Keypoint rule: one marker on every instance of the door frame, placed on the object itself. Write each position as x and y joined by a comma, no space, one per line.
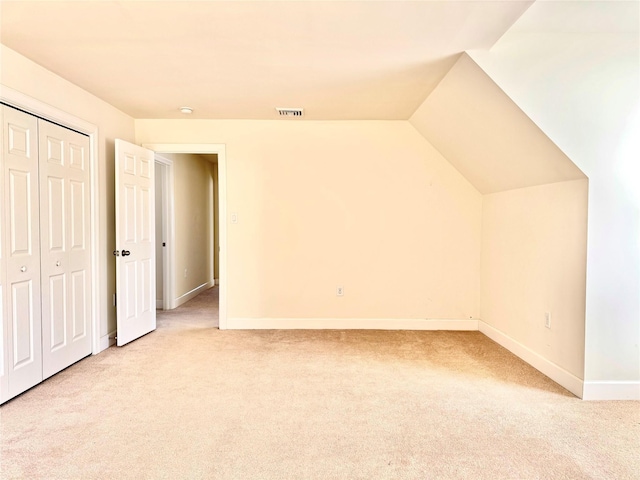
40,109
220,150
168,232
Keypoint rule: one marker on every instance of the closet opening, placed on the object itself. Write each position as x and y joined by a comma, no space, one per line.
48,223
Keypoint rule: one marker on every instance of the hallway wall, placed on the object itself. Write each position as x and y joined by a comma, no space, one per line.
194,227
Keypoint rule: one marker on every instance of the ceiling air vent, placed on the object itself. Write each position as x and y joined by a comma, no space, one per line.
290,112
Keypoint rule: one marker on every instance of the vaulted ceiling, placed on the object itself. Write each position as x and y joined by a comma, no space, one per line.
230,59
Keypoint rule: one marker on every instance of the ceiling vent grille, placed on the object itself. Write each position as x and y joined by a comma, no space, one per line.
290,112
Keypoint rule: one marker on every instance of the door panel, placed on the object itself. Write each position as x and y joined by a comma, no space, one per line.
58,317
24,351
77,155
79,296
146,212
135,240
129,212
66,256
78,220
55,220
22,215
21,252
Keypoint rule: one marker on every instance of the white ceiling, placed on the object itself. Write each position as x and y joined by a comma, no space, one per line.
239,59
580,16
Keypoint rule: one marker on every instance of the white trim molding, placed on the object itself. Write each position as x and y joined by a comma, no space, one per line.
107,340
625,390
168,232
192,293
351,324
537,361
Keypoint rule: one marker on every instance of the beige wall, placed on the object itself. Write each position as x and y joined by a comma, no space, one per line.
534,212
194,229
370,206
23,75
534,261
583,90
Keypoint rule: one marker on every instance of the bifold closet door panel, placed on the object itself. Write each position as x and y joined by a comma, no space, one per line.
21,251
65,246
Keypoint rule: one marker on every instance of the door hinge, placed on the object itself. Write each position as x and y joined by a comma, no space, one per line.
164,244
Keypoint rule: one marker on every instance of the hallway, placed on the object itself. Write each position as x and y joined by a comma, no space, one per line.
199,312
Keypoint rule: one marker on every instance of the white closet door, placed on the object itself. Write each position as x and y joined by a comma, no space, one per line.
21,251
65,246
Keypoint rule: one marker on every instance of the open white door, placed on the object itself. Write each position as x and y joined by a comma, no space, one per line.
135,242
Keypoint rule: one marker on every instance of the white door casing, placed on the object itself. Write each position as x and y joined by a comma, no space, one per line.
168,231
135,242
65,242
21,251
4,357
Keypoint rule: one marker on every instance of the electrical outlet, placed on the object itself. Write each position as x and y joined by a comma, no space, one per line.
547,319
234,218
340,291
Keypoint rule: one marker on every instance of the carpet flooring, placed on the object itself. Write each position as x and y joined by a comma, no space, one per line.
189,401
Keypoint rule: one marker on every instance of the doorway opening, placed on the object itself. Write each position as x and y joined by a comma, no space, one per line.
190,232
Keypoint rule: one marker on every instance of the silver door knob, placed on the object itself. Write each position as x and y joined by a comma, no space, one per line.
23,269
58,263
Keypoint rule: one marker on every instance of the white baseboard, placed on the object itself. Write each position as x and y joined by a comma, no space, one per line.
192,293
216,281
349,324
107,340
159,304
606,390
611,390
550,369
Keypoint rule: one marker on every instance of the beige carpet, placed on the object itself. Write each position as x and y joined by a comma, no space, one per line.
190,401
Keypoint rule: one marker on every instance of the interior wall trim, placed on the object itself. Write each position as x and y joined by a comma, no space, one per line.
351,324
621,390
537,361
548,368
192,293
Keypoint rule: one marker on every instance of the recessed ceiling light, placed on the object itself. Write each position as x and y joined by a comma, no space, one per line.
186,110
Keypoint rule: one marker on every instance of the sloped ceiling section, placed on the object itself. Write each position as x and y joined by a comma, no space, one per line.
486,136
